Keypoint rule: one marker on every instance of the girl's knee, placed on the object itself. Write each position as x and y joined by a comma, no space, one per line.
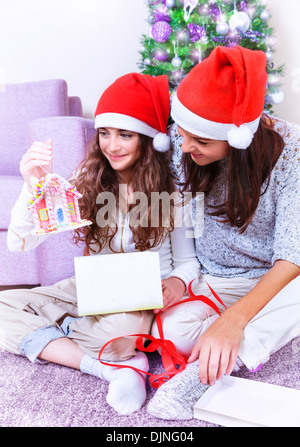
129,322
113,330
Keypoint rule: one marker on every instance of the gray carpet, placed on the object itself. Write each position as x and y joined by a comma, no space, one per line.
54,396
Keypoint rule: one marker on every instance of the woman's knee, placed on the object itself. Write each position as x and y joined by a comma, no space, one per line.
184,326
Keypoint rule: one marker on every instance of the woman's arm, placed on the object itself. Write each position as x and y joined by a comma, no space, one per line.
185,262
19,237
217,349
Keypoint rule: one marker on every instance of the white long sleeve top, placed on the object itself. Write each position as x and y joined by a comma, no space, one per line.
177,252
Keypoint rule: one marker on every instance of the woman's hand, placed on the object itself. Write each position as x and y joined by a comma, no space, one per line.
217,349
38,156
173,290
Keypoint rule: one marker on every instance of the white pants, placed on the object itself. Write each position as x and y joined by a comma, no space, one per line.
271,329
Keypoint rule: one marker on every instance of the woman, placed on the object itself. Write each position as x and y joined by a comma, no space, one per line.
129,149
248,166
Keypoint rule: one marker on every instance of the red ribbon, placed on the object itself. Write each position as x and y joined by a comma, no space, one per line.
172,361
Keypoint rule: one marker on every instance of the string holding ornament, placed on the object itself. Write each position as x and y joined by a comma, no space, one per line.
176,61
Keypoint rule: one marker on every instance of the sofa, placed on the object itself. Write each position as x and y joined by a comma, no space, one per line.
31,112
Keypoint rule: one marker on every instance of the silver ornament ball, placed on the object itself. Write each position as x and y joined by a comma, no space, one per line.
170,3
269,55
176,62
239,21
222,28
265,15
278,97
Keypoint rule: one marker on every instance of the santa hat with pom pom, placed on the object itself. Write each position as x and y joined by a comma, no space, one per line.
139,103
222,98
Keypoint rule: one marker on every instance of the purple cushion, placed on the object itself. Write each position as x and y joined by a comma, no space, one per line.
70,136
18,267
20,104
10,187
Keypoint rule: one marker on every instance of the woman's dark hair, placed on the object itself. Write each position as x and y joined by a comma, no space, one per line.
248,170
151,173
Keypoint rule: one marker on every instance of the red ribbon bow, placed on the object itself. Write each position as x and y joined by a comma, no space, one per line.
172,361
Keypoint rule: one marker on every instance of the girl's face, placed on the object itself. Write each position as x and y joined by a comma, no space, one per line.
121,148
203,151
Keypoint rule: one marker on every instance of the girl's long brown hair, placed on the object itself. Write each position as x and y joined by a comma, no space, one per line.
248,170
95,175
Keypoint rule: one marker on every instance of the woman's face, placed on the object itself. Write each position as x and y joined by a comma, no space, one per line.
121,148
203,151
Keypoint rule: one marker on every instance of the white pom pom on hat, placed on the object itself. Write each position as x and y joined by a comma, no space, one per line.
161,142
240,137
222,98
139,103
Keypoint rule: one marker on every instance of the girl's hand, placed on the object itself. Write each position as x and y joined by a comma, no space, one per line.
173,290
217,349
39,154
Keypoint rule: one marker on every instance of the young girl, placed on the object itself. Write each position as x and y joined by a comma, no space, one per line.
129,149
248,166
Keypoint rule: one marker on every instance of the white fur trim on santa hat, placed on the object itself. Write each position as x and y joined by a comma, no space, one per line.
201,127
125,122
161,141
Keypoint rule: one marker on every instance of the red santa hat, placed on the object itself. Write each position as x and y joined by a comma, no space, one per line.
140,103
222,98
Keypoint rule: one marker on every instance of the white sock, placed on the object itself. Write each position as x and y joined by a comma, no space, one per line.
127,388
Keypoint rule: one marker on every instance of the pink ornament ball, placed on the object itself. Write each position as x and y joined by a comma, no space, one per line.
161,31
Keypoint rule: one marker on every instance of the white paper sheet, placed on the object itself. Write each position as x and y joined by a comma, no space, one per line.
118,283
237,402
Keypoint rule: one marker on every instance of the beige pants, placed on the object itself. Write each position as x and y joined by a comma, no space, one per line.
24,311
272,328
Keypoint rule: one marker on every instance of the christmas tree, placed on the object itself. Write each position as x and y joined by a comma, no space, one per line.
184,32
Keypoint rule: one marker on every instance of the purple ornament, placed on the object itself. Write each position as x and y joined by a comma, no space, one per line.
161,16
161,55
196,32
161,31
214,11
176,76
243,6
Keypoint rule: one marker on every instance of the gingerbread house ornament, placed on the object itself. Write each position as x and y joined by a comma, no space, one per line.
54,206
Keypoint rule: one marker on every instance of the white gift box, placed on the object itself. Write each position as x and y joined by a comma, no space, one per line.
237,402
121,282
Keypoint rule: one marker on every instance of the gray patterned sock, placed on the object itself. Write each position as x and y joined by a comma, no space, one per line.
175,399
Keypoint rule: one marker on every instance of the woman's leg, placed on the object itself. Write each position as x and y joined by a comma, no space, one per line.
272,328
183,324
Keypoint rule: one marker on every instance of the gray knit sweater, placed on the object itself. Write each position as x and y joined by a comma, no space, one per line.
274,232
